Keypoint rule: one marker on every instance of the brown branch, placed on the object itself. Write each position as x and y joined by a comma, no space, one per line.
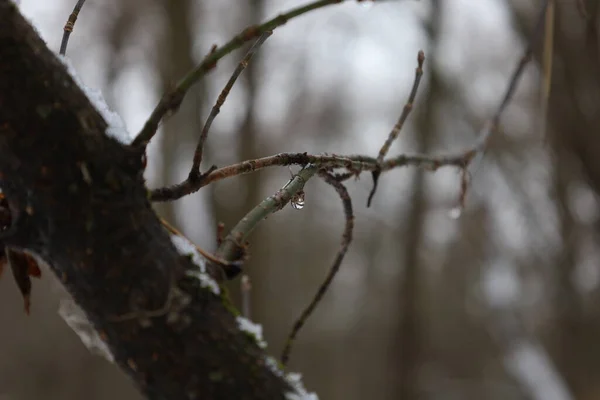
194,174
70,24
398,127
355,164
346,239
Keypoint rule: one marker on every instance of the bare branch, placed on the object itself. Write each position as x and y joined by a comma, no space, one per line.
346,239
353,163
398,127
69,26
171,100
195,171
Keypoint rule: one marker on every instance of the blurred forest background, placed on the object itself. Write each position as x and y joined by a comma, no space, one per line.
501,303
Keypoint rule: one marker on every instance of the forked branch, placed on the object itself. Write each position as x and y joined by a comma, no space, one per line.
171,100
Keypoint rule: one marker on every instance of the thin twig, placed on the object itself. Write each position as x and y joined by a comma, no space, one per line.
355,164
69,27
406,110
346,239
171,100
238,235
398,127
195,171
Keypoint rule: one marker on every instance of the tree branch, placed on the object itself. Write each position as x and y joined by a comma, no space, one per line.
171,100
356,164
233,243
398,127
195,170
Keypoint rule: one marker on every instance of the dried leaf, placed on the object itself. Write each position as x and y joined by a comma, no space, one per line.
23,266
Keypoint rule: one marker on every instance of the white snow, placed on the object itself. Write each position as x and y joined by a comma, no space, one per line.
295,380
77,320
273,366
253,329
116,127
187,248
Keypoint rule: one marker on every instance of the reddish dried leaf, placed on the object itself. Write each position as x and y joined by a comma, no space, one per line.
33,269
23,266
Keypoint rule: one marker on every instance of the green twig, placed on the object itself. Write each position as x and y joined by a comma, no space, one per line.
235,240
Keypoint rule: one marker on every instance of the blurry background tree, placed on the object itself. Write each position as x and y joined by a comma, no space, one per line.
501,303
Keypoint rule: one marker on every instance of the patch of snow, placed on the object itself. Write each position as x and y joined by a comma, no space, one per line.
77,320
253,329
295,380
273,366
116,127
187,248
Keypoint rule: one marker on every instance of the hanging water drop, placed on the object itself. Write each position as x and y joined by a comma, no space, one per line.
298,200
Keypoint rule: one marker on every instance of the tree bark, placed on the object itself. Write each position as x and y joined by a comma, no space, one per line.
79,202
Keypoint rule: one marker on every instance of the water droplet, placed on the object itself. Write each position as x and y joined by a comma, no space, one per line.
298,201
455,213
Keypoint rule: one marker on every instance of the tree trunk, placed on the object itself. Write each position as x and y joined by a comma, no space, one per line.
79,202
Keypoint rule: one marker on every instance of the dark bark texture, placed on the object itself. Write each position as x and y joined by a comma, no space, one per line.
79,202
